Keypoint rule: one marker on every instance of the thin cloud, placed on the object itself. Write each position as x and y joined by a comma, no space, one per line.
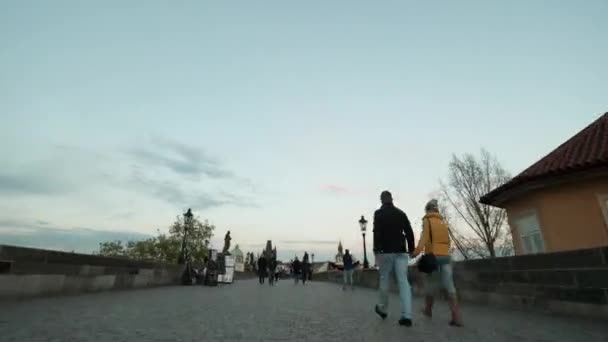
309,242
189,163
123,215
252,245
73,170
173,193
65,170
182,159
78,239
32,183
335,189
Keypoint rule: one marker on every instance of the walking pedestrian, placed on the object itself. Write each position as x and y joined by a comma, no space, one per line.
391,231
262,269
272,265
435,240
297,269
348,270
305,268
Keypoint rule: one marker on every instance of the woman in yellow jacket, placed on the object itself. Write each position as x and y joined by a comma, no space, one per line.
439,245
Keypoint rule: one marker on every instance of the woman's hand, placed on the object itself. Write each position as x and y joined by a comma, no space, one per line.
378,258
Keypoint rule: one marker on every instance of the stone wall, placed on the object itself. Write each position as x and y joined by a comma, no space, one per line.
572,283
30,272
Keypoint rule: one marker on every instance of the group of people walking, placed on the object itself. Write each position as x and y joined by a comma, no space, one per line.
267,268
301,270
392,230
393,247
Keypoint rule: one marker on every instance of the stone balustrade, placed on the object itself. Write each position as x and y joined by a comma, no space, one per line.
572,282
30,272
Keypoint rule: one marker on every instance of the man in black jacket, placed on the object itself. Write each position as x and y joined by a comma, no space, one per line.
296,268
391,230
262,264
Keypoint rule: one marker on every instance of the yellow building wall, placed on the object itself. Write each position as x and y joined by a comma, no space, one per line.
570,215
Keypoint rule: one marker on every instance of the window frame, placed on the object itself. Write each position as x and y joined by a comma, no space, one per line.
603,202
531,234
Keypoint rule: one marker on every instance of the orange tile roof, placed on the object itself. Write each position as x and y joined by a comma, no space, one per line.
588,149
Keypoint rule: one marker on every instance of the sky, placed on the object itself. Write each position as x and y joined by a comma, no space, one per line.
273,119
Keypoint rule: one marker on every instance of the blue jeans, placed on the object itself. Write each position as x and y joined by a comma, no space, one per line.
397,262
442,278
348,277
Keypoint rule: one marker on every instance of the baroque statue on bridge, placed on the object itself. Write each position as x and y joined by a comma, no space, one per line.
227,239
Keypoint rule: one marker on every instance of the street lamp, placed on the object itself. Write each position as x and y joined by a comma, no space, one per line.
187,222
363,224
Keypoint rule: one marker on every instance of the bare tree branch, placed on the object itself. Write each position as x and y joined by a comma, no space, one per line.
469,179
455,236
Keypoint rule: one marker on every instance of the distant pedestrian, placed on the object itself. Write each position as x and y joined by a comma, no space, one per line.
391,229
297,269
272,266
305,268
310,271
348,270
435,240
262,269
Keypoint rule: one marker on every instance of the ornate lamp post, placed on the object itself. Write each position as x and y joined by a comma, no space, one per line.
187,222
363,224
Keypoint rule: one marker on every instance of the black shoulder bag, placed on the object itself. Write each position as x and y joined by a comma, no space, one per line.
428,262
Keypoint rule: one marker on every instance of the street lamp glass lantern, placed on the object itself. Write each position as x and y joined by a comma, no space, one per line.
363,224
188,216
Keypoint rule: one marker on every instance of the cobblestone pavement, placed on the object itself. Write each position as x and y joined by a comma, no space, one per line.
247,311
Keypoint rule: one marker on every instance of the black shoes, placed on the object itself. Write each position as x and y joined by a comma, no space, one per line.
457,324
380,313
405,321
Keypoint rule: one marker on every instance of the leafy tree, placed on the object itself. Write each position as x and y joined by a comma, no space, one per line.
197,237
168,247
112,248
165,247
144,249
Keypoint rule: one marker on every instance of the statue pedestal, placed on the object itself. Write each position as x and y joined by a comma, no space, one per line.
226,273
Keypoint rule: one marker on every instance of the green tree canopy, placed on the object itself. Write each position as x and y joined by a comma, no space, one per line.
112,248
165,247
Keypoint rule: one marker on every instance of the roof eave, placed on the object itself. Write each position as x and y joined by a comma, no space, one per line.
499,196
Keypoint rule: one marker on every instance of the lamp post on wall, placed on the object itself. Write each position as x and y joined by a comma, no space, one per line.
187,222
363,225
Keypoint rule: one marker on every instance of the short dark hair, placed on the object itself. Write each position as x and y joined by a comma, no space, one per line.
386,195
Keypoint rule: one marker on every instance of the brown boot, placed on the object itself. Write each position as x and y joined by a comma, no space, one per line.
456,320
428,308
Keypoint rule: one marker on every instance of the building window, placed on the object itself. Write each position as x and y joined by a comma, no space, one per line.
604,205
529,234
